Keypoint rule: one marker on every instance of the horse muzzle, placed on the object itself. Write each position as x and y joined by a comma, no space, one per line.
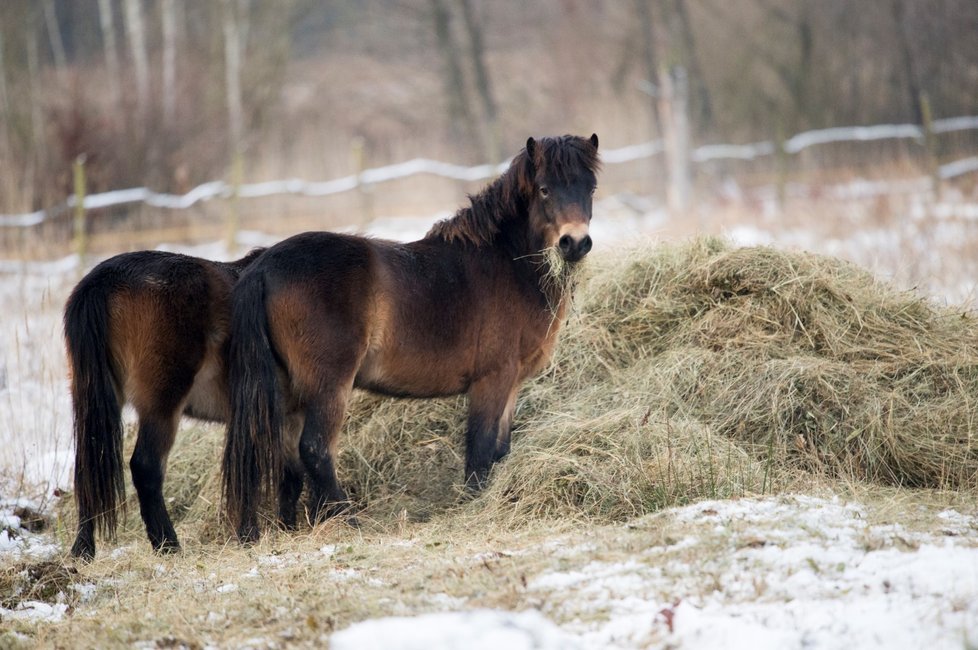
574,248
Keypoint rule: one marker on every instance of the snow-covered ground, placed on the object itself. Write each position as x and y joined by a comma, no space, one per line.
790,572
777,572
793,572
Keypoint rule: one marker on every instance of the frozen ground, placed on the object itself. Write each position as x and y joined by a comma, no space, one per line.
778,572
794,572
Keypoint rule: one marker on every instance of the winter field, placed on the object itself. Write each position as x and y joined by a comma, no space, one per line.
746,553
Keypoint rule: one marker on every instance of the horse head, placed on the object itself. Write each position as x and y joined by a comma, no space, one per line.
558,181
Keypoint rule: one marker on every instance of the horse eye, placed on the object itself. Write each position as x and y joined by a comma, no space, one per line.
592,190
544,192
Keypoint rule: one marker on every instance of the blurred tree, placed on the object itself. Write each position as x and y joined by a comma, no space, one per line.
474,27
107,25
453,80
38,146
5,115
168,19
906,57
232,70
701,103
137,45
650,62
54,34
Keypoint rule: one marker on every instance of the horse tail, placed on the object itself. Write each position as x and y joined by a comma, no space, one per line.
95,395
252,464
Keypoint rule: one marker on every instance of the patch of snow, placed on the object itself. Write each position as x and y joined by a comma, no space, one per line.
251,573
227,588
799,572
444,602
85,590
18,543
473,630
33,610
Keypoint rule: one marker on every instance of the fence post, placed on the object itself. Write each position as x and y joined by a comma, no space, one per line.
80,238
930,145
234,218
358,157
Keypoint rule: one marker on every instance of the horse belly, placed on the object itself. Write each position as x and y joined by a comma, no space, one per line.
410,377
208,398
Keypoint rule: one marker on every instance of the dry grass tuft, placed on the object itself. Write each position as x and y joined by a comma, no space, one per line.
46,581
684,372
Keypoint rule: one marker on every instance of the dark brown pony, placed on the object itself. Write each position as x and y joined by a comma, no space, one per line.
147,328
472,308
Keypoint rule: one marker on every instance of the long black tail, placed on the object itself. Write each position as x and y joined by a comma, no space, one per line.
252,463
95,395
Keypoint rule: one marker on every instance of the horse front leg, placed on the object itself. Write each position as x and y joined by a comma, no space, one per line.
491,404
505,426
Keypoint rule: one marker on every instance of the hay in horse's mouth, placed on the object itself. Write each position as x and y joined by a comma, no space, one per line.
558,274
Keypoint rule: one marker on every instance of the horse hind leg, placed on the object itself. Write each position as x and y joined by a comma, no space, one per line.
317,449
148,466
290,487
288,496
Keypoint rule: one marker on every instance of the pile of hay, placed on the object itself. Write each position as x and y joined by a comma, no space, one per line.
702,370
683,372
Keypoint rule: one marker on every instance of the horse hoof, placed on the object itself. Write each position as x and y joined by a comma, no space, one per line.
83,550
248,535
167,547
475,485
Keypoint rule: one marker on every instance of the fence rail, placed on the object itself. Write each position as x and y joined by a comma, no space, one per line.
297,186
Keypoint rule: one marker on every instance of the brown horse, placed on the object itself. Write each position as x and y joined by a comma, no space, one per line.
148,328
472,308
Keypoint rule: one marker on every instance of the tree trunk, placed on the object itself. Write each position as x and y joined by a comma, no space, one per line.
169,27
39,144
4,107
107,24
674,94
232,77
650,64
906,59
232,74
453,79
700,93
54,35
137,43
482,82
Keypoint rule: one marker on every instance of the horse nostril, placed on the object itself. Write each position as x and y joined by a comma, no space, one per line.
565,243
585,246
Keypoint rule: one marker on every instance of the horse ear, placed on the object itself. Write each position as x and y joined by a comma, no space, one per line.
594,140
528,170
